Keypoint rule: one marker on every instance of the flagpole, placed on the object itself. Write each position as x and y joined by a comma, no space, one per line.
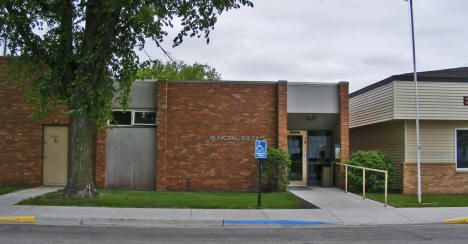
415,74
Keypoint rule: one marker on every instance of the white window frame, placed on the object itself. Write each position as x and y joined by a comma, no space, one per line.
142,111
132,117
456,149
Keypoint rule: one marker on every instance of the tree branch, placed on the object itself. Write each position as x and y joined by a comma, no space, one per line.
66,40
108,38
30,40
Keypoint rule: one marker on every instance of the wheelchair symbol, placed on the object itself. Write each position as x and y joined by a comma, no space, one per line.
260,146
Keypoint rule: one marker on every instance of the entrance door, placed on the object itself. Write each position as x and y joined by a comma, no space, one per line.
297,148
319,154
55,155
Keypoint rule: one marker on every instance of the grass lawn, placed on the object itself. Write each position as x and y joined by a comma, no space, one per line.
428,200
8,189
169,199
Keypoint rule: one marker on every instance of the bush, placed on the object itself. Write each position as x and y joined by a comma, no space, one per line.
275,170
374,180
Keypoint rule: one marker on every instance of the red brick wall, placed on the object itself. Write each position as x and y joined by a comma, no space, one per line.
186,157
161,180
282,127
343,131
435,178
21,138
99,159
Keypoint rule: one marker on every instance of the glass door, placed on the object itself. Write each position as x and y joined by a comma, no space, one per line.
319,154
297,141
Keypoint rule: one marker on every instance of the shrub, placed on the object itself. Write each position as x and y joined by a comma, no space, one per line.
275,170
374,180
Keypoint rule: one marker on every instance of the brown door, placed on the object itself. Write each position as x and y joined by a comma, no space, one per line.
55,155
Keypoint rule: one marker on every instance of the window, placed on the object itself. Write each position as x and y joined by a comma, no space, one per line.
465,101
121,118
461,148
319,144
145,118
133,118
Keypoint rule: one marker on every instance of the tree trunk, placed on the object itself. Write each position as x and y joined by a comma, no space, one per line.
80,180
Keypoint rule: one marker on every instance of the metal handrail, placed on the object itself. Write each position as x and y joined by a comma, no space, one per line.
364,179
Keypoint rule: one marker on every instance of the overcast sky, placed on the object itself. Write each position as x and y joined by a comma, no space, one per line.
360,41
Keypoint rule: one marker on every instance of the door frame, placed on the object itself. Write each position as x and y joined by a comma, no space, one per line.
302,133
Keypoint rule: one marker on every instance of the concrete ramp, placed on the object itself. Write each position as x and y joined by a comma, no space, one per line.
348,207
333,198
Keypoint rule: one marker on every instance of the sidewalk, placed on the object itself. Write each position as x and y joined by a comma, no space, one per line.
336,207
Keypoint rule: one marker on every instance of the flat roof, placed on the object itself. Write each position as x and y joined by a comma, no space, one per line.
315,83
209,81
295,83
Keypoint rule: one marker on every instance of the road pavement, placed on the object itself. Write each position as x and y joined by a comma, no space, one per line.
22,233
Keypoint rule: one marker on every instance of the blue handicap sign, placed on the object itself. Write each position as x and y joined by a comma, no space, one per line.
260,149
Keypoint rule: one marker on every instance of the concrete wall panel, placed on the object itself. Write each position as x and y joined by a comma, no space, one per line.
308,98
142,96
131,158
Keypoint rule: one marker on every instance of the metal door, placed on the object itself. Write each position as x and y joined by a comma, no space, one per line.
55,156
131,158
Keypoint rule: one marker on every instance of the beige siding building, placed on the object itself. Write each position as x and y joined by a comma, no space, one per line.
382,117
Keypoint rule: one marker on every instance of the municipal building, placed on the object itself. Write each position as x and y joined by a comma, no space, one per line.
185,135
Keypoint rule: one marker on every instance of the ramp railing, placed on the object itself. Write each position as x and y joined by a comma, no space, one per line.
364,178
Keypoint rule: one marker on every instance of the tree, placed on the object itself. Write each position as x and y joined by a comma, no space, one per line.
73,51
177,71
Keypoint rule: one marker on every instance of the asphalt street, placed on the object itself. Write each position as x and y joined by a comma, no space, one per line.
28,233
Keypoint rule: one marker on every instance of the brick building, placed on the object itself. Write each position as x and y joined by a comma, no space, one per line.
184,135
382,117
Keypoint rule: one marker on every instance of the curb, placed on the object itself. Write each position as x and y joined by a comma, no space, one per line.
129,222
152,223
18,219
271,222
190,223
227,223
456,220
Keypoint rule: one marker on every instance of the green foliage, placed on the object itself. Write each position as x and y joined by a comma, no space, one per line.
374,180
275,170
8,189
428,200
173,199
82,53
177,71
